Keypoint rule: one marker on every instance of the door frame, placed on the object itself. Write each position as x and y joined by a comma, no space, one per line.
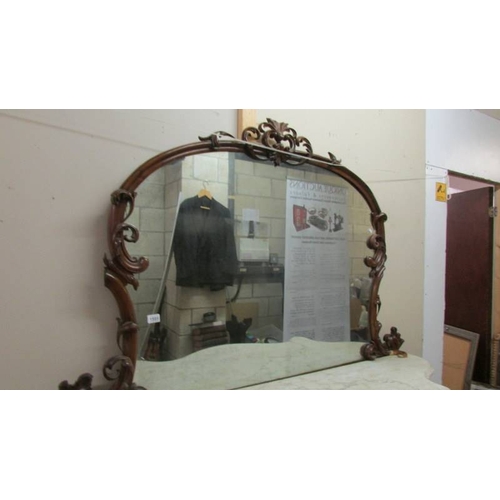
495,321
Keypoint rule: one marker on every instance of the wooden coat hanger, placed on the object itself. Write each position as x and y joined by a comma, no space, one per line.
204,192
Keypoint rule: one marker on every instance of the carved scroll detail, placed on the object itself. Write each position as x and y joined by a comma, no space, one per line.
122,196
390,346
215,138
334,160
370,351
121,262
126,329
117,270
376,242
281,139
393,340
120,370
376,262
120,270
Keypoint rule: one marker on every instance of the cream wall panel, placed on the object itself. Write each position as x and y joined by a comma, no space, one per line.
57,171
402,289
154,129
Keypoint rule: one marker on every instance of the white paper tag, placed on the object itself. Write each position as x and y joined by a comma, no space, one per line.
153,318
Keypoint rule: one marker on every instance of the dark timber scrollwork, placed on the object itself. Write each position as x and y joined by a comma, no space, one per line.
279,138
83,382
273,142
216,137
120,370
120,233
119,271
375,242
392,342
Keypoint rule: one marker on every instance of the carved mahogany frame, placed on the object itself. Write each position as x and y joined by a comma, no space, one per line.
271,141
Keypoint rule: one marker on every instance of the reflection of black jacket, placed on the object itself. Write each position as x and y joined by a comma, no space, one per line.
203,244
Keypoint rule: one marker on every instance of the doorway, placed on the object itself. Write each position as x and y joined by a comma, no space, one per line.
469,285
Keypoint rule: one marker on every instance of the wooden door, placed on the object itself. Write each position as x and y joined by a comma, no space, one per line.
469,268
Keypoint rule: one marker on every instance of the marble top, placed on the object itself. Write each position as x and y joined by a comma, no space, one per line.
298,364
234,366
388,373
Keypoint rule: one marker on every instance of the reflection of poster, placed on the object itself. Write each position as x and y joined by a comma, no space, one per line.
317,265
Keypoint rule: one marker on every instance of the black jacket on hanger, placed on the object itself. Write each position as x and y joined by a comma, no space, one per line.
204,245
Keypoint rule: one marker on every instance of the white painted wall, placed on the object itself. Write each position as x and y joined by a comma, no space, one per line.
435,266
466,142
57,170
387,149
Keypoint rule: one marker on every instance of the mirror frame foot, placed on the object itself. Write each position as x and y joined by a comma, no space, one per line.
390,346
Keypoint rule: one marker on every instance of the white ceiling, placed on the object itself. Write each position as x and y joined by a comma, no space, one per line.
494,113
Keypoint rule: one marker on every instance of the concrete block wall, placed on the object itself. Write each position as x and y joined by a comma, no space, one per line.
263,187
239,183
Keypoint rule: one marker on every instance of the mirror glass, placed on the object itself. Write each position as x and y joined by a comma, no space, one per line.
281,250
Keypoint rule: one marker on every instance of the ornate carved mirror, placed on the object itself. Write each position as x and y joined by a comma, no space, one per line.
243,247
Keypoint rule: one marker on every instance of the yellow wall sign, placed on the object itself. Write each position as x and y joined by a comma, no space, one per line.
441,191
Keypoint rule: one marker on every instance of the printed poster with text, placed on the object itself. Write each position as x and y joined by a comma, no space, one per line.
317,266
